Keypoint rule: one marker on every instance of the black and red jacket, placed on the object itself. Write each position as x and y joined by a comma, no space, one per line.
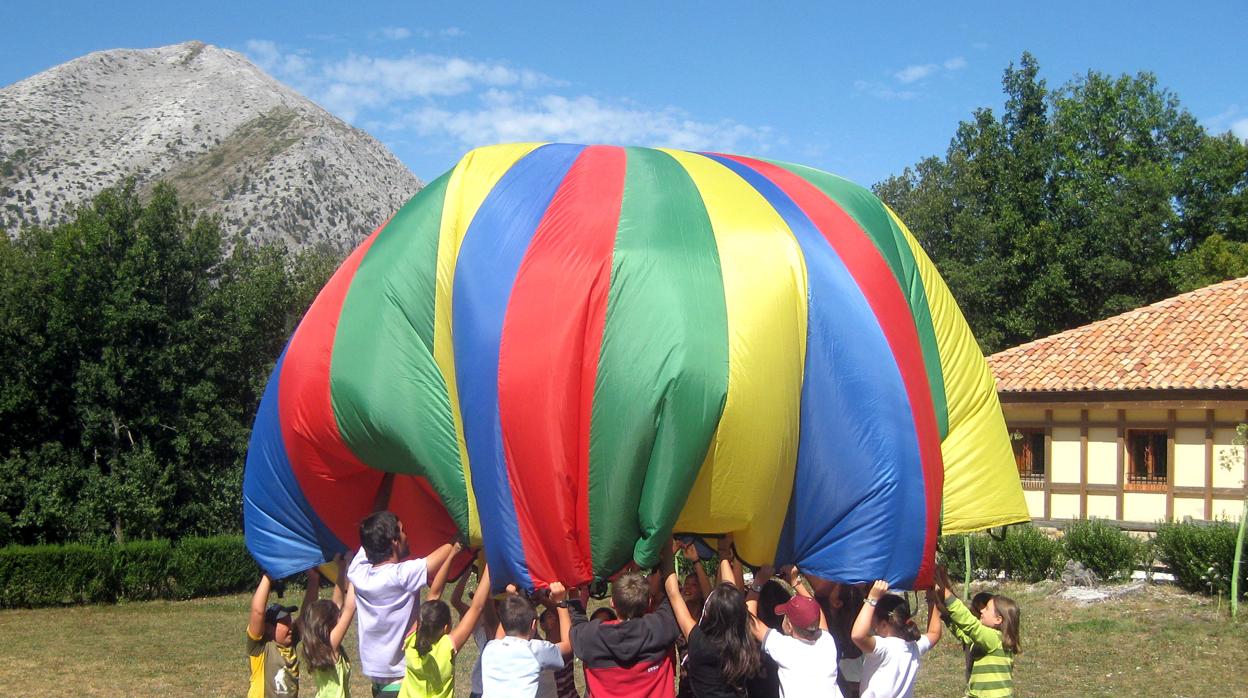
628,659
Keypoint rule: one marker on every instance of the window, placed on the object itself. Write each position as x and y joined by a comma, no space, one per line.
1029,454
1147,457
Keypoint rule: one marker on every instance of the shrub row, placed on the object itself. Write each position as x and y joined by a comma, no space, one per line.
49,575
1199,555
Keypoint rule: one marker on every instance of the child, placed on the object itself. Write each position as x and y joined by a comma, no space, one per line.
325,624
387,588
891,654
272,638
632,656
722,654
978,602
804,653
563,681
512,664
694,591
481,634
993,638
431,647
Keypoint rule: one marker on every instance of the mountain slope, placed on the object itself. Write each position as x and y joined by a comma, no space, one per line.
272,164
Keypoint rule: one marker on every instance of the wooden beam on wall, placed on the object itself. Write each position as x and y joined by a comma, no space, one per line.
1083,464
1209,464
1171,418
1048,463
1122,462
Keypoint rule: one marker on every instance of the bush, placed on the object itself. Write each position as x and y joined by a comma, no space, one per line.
1200,556
48,575
1026,554
141,570
984,563
1108,551
52,575
214,565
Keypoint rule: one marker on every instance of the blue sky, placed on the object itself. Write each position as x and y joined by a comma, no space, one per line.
859,91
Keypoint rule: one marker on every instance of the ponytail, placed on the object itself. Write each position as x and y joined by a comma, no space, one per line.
893,611
434,617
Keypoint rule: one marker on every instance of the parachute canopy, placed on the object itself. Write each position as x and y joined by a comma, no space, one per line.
571,352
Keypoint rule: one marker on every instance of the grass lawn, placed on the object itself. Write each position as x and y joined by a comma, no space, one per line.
1158,642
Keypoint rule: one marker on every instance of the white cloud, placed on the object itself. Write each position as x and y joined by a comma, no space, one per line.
879,91
396,33
452,32
915,72
1240,129
509,117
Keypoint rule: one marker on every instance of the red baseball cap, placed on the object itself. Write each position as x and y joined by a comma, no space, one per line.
802,611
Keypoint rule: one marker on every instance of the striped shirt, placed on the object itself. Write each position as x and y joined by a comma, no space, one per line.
992,668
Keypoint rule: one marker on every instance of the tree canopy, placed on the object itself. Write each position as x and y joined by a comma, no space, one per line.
1076,203
136,347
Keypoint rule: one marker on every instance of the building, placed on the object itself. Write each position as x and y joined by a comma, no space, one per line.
1133,418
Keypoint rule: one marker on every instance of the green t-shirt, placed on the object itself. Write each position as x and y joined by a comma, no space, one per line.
274,669
335,681
429,675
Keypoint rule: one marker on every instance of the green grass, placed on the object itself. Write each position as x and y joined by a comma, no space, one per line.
1156,643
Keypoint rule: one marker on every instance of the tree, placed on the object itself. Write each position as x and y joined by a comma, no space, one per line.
1075,204
136,350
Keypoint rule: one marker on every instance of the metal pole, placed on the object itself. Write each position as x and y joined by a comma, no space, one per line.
966,587
1239,552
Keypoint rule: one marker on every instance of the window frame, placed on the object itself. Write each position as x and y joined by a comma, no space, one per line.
1160,454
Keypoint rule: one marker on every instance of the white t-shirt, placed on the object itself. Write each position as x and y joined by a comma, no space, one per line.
806,668
889,671
385,596
511,667
480,637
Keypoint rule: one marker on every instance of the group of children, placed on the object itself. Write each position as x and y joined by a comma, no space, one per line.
726,639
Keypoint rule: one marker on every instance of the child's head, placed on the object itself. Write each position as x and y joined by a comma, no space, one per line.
382,535
1002,614
517,616
318,619
692,594
771,595
726,624
603,613
279,626
432,623
550,624
892,618
979,601
630,595
801,617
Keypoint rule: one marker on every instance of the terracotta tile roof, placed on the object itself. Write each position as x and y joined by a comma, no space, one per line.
1198,340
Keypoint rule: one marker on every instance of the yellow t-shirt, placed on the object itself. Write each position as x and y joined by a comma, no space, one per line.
334,682
429,675
274,669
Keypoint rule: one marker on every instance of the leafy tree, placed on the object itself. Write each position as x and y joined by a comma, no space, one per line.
1075,204
136,349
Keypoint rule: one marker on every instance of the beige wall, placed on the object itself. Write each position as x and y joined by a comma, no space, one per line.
1144,506
1147,415
1102,506
1065,464
1035,503
1185,507
1225,452
1064,506
1227,509
1103,456
1189,457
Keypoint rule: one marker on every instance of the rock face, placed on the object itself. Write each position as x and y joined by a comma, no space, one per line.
234,141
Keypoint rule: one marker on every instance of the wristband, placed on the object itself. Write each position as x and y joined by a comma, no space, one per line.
870,601
563,604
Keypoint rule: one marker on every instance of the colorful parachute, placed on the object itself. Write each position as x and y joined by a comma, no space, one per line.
568,353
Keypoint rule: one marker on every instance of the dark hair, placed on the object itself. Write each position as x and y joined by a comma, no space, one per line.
893,611
630,594
516,615
318,619
772,594
434,616
378,531
726,625
979,601
605,613
1010,623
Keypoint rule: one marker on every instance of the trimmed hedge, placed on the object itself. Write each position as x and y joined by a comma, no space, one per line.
51,575
1024,553
1200,556
1107,550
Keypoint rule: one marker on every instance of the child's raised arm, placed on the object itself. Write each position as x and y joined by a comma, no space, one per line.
313,591
259,600
468,619
726,557
339,631
444,571
457,594
934,628
861,632
559,595
671,585
757,627
704,582
340,580
800,588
